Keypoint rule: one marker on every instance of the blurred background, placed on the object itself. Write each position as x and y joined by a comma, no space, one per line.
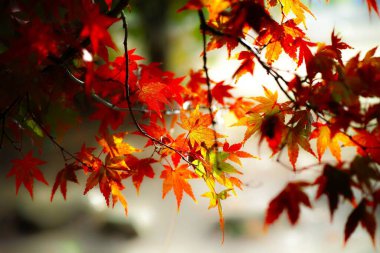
84,224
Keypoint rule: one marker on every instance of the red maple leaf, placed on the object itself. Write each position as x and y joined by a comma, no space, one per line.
139,168
272,129
290,200
25,170
247,65
64,175
88,161
337,45
361,215
95,26
334,182
105,177
372,5
153,89
107,117
221,91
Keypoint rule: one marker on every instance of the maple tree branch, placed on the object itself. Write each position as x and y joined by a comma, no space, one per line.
112,106
203,27
3,116
127,95
118,9
256,53
48,134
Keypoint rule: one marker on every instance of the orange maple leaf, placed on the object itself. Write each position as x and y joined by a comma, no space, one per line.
104,177
198,126
118,196
114,144
326,139
176,179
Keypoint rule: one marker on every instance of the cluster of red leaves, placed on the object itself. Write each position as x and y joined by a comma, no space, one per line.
336,183
51,46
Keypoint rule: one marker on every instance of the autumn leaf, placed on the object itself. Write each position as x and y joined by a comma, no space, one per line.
360,215
221,91
270,38
240,107
286,37
289,199
365,171
197,80
298,135
114,144
154,95
197,125
215,201
272,129
218,161
337,45
334,182
368,143
246,66
26,170
104,177
267,103
234,152
156,131
64,175
117,196
87,160
139,168
298,9
372,5
109,3
107,117
304,53
326,139
96,25
217,42
157,88
253,123
176,179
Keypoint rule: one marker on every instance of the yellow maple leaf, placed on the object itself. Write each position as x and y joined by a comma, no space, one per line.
198,126
298,9
332,141
118,196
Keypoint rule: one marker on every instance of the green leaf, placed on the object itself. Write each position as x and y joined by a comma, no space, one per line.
30,123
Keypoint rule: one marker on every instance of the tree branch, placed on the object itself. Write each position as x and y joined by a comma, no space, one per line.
127,94
203,27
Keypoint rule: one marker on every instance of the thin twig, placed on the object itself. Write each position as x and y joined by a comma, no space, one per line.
48,134
127,95
203,27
